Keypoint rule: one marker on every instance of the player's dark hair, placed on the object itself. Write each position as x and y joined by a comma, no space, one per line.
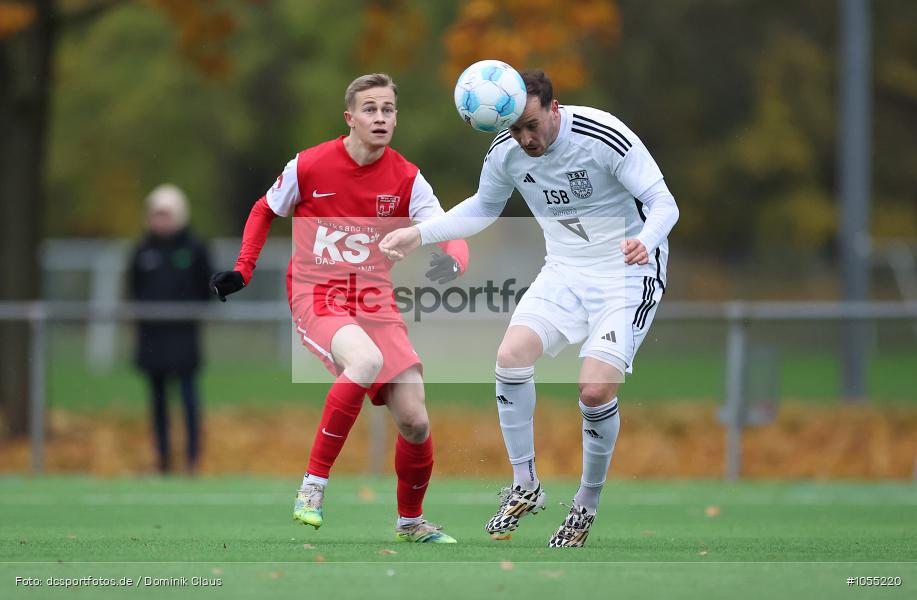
367,82
538,84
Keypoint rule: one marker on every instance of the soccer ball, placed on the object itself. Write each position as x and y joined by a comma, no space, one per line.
490,95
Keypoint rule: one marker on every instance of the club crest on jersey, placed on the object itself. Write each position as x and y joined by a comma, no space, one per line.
580,184
386,205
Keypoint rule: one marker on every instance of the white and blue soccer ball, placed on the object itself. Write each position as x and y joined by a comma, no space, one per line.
490,95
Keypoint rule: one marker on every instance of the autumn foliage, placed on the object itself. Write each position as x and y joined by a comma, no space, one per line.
202,27
14,16
542,34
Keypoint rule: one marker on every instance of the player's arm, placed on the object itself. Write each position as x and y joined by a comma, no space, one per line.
661,215
640,175
278,201
454,259
465,219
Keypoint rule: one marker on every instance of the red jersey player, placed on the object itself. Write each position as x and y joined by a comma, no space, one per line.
346,194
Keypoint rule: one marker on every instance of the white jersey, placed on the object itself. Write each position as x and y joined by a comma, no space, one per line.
596,185
594,171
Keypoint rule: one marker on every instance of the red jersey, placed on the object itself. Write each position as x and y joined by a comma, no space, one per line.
343,211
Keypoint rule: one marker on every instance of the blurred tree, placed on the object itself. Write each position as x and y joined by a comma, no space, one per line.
224,139
742,119
28,40
26,45
532,33
396,27
894,175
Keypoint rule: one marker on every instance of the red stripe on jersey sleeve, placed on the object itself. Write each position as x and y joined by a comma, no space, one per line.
253,237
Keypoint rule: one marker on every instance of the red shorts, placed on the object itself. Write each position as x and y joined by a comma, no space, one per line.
388,333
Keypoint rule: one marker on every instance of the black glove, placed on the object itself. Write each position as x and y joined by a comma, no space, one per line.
443,268
225,283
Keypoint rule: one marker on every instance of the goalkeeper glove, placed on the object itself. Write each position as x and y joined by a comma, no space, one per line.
443,268
225,283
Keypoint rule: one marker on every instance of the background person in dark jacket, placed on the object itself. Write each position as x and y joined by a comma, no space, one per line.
170,265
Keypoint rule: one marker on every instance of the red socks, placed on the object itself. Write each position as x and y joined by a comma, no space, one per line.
413,465
413,462
342,406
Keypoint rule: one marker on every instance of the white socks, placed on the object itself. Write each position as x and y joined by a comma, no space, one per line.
516,407
311,479
600,431
405,521
524,475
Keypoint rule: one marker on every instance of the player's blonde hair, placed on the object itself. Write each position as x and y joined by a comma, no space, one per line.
367,82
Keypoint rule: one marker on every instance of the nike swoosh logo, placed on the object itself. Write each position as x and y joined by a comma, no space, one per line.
331,434
315,194
419,487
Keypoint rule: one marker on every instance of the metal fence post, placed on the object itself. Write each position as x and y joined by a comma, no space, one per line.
101,336
736,352
37,364
854,172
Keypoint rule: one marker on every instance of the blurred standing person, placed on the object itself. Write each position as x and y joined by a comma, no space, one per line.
170,264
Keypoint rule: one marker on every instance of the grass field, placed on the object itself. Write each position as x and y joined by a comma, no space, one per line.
652,539
690,377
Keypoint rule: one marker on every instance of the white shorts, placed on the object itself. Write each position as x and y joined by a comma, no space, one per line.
566,305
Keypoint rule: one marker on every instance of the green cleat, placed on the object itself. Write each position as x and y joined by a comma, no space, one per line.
423,533
308,507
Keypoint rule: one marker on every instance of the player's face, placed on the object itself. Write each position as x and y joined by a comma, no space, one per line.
537,128
373,116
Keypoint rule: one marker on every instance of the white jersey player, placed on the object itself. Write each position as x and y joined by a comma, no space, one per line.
589,181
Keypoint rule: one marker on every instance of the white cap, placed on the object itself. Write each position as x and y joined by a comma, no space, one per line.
170,199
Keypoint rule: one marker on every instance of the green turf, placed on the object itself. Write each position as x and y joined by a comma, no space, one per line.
650,539
691,377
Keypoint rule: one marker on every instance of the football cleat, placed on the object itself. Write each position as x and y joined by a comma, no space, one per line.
515,504
574,530
423,533
308,507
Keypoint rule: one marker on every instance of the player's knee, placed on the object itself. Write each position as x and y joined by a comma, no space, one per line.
365,366
597,394
415,428
511,355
